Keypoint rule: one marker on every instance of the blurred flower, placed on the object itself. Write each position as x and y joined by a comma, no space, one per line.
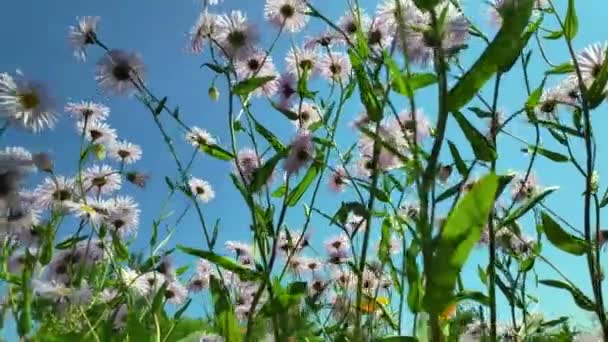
26,102
337,243
287,14
354,223
344,278
235,34
86,110
335,67
241,249
122,215
201,189
378,35
338,179
324,39
590,62
199,137
308,114
524,187
548,104
301,152
83,34
137,178
43,161
257,63
296,265
444,173
286,89
248,162
317,286
124,151
120,317
175,293
152,282
97,131
119,71
103,179
55,192
351,22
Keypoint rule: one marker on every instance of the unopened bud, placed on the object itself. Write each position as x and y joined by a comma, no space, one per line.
138,178
214,94
43,161
444,173
595,182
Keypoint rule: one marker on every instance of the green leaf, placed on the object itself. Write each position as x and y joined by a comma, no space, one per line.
160,106
413,277
499,54
245,87
482,148
554,35
296,194
385,239
460,165
218,69
70,242
564,68
453,190
397,339
528,205
342,214
279,192
380,194
291,115
579,297
427,5
561,128
595,94
366,91
476,296
223,262
268,135
119,247
261,175
217,152
556,157
224,319
483,114
183,309
461,232
571,21
562,239
407,85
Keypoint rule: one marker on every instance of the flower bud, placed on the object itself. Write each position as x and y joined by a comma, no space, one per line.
214,94
137,178
43,161
444,173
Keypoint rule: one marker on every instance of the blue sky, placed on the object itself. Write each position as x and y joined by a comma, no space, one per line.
35,42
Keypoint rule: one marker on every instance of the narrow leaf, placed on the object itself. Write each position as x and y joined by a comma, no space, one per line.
528,205
579,297
562,239
481,146
245,87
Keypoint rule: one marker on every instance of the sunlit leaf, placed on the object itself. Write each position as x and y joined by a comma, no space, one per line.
223,262
479,143
247,86
562,239
528,205
579,297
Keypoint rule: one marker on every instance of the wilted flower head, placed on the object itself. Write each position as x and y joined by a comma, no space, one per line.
124,151
235,34
118,72
86,110
83,34
301,152
26,102
524,187
201,189
102,179
288,14
137,178
198,137
204,28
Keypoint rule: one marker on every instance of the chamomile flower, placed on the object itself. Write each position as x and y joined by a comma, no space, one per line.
337,243
201,189
125,152
335,67
26,102
300,59
590,62
87,110
198,137
83,34
94,211
55,193
102,179
301,152
118,72
235,34
204,28
308,114
548,104
97,131
287,14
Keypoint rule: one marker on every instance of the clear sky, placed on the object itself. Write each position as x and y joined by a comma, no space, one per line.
34,35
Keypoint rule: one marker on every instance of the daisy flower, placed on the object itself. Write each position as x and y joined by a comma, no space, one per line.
83,34
337,256
94,211
257,64
54,193
204,28
201,189
344,278
301,152
338,179
16,159
295,265
291,242
313,265
548,104
420,125
198,137
239,248
308,114
152,282
337,243
298,59
248,162
335,67
324,39
392,11
590,62
87,110
287,14
26,102
378,35
235,34
103,179
119,71
123,215
317,286
175,293
97,132
349,23
125,152
354,223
